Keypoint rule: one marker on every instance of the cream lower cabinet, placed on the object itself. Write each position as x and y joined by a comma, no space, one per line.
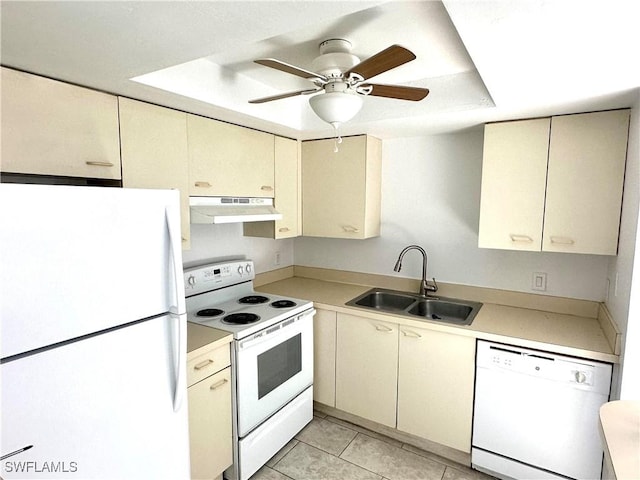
209,395
155,152
554,184
53,128
367,368
417,380
229,160
288,194
324,357
435,386
341,190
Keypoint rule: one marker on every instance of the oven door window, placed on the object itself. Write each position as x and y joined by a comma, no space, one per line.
279,364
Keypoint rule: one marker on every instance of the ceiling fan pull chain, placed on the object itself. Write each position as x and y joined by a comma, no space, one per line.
338,139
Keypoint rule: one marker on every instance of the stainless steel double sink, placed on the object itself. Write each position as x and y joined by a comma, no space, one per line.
417,307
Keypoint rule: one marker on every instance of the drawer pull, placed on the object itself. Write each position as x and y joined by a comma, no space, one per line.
521,238
203,364
562,240
350,229
203,184
266,188
100,164
410,334
283,229
382,328
218,384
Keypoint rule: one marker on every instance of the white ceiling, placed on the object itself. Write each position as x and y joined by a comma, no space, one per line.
482,60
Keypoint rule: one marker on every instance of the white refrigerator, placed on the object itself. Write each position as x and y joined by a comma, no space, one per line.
93,334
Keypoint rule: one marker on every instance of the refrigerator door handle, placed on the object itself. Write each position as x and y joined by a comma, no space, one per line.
179,307
175,252
181,349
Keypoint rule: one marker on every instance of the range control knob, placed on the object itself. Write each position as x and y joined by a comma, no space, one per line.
580,377
248,268
240,270
191,280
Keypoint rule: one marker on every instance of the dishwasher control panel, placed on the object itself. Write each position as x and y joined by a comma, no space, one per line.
537,364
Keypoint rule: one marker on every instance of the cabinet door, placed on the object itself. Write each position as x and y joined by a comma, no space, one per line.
367,368
228,160
53,128
154,152
324,357
341,191
287,194
435,386
514,170
587,156
210,425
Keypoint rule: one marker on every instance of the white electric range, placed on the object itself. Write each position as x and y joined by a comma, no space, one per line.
271,359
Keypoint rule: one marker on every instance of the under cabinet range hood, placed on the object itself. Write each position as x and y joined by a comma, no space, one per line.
211,210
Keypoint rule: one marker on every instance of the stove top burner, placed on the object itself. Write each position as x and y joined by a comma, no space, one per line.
283,304
253,299
209,312
240,318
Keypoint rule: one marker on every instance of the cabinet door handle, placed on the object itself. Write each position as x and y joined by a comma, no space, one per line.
99,164
218,384
410,334
266,188
203,184
283,229
521,238
562,240
350,229
383,328
203,364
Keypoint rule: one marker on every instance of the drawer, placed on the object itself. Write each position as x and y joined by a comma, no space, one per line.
207,364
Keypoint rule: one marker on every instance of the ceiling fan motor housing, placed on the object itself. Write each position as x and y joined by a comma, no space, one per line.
335,58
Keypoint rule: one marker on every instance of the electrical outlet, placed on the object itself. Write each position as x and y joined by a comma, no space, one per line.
276,258
539,281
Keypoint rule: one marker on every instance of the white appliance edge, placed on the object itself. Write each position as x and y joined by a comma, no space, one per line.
93,324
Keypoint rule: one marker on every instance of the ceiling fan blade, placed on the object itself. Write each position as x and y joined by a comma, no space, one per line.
292,69
389,58
285,95
397,91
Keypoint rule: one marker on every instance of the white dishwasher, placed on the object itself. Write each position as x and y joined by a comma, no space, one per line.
536,414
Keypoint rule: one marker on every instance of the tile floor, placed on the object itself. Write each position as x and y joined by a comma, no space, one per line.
331,449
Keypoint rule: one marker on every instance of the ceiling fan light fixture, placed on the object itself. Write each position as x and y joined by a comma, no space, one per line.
336,108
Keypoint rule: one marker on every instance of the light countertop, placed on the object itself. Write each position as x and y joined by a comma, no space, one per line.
559,333
620,425
201,338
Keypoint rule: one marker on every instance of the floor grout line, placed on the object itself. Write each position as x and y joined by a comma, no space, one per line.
358,430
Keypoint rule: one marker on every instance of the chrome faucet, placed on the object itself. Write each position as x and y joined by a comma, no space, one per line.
425,287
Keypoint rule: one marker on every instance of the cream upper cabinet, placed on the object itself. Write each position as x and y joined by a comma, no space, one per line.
53,128
324,357
155,153
341,191
228,160
514,171
587,155
435,386
288,194
367,368
559,191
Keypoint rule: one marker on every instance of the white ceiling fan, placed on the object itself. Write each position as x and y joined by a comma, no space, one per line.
340,80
